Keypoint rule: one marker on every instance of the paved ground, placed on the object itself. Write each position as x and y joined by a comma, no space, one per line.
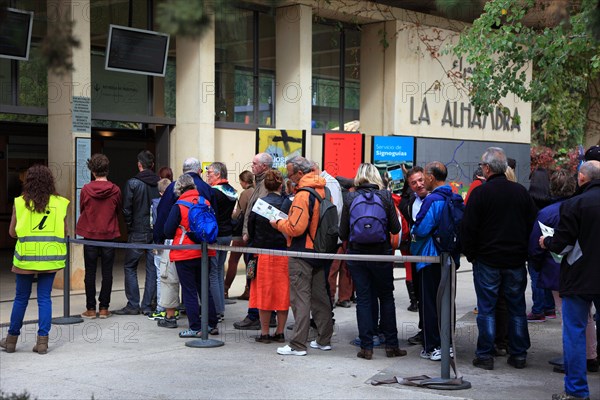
129,357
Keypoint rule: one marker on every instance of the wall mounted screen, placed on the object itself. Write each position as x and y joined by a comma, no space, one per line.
137,51
15,34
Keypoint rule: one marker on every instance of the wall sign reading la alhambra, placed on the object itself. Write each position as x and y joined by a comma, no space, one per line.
464,116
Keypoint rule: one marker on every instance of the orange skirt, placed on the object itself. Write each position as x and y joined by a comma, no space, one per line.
270,290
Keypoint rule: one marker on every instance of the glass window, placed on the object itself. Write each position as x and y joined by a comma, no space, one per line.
5,81
245,69
335,90
33,78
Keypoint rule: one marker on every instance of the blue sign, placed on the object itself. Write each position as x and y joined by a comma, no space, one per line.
393,148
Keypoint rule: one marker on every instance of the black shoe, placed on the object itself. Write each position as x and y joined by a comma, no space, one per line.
247,325
484,363
500,351
167,322
278,337
560,369
417,339
266,339
127,311
592,365
344,304
413,307
517,362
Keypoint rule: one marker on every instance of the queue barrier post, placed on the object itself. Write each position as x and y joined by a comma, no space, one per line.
204,342
446,308
67,319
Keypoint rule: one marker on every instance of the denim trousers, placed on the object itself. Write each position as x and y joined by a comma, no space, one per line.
488,282
132,288
157,257
575,311
190,278
374,281
217,275
107,258
542,298
23,293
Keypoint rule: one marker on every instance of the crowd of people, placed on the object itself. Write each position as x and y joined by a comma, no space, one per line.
547,234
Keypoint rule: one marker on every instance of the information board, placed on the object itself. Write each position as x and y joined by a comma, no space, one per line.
390,155
281,144
342,153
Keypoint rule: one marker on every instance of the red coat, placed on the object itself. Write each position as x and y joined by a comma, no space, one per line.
180,255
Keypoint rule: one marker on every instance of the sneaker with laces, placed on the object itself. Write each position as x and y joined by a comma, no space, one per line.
550,314
436,354
156,315
531,317
426,355
104,313
288,351
167,322
89,314
324,347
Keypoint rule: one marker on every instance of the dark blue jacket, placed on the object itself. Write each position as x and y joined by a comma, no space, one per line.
169,198
541,259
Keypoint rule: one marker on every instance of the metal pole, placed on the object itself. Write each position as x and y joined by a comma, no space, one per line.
67,319
445,312
204,341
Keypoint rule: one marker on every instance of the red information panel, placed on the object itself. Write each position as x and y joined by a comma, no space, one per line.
342,153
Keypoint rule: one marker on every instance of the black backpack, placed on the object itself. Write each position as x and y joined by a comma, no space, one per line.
326,237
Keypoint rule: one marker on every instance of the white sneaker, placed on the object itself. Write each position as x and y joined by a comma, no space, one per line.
288,351
425,355
315,345
436,354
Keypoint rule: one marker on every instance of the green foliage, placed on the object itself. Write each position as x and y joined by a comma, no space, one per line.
564,57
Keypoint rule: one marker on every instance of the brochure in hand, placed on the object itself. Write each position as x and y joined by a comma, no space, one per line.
266,210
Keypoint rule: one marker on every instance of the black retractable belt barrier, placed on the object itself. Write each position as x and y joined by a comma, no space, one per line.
445,306
204,342
67,319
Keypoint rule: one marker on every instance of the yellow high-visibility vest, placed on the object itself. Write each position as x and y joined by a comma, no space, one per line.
41,244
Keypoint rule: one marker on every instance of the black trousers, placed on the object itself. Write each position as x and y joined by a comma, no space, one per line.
107,258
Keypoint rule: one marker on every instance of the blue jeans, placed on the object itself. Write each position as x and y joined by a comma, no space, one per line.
374,280
132,288
575,311
157,257
217,275
23,292
542,298
513,281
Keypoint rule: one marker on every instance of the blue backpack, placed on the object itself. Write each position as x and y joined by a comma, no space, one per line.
203,222
368,219
447,235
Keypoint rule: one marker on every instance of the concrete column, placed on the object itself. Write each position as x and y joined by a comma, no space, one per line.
294,69
372,79
194,135
61,138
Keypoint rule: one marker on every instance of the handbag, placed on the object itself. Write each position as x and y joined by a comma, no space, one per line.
251,268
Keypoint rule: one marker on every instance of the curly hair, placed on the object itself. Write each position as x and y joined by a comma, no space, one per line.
98,164
37,188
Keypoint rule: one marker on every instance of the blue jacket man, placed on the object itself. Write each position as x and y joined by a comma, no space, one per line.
429,275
